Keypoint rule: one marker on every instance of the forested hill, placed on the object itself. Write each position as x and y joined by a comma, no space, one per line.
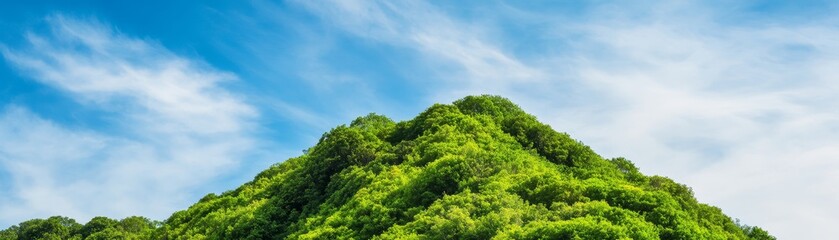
480,168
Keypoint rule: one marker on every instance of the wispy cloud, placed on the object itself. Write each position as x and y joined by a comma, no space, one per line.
301,116
176,126
478,62
744,112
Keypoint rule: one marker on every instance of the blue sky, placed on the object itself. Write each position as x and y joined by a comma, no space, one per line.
140,108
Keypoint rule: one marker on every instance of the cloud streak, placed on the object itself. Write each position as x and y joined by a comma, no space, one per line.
428,31
744,114
175,127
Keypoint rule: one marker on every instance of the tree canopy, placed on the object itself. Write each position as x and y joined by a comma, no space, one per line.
480,168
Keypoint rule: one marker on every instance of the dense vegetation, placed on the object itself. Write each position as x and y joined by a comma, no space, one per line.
66,228
480,168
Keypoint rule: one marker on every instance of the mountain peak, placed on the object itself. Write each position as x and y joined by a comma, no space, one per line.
479,168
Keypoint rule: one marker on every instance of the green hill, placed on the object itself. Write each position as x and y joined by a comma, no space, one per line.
480,168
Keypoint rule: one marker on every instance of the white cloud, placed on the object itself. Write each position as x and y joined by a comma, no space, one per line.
425,29
109,67
301,115
176,127
745,114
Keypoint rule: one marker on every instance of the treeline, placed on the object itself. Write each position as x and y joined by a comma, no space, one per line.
480,168
65,228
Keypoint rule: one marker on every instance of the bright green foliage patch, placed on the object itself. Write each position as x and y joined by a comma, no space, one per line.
62,228
480,168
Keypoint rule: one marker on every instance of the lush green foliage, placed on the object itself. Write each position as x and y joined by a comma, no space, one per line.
480,168
97,228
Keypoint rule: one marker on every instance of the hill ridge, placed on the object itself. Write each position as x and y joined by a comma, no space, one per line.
480,168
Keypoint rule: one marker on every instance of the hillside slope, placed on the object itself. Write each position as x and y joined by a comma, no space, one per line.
480,168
